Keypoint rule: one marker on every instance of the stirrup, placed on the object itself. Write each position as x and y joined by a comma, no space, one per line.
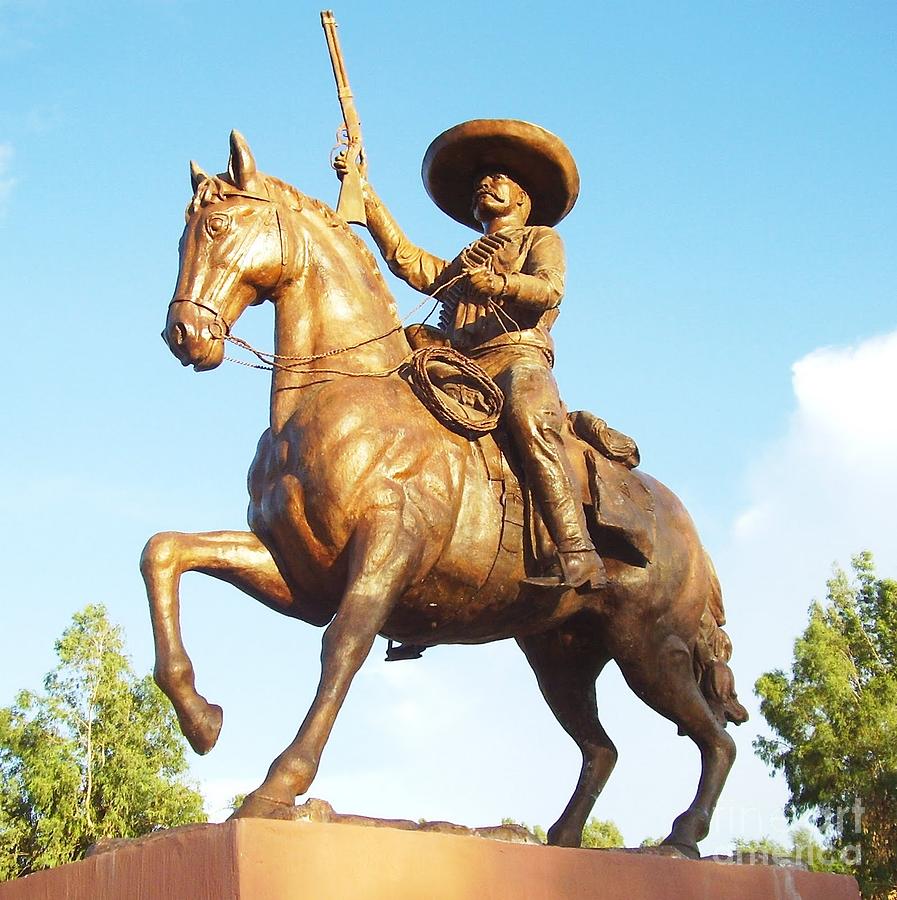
583,569
397,652
554,581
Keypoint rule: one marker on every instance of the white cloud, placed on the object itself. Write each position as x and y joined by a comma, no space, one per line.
830,484
847,402
823,491
6,182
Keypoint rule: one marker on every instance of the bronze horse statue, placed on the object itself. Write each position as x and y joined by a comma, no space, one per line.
369,517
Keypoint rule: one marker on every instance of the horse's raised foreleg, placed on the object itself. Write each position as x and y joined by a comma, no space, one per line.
383,558
237,557
666,682
567,661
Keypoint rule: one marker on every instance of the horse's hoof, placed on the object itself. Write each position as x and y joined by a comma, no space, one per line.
202,730
564,837
690,851
257,806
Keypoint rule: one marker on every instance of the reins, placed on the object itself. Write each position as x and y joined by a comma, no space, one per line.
221,329
270,361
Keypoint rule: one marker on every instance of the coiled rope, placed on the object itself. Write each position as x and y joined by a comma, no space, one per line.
453,413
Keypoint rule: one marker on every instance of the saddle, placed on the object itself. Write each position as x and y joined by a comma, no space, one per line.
618,505
619,508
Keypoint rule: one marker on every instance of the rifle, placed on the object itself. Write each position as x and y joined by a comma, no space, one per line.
351,200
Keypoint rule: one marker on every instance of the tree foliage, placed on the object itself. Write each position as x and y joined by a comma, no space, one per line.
805,849
602,834
835,723
597,834
651,842
97,755
754,849
537,831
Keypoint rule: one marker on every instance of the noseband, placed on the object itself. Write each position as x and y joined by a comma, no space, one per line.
219,327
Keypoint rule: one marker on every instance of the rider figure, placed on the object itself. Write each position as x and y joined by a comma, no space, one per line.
500,296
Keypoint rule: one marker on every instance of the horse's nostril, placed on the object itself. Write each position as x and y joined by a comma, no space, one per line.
178,334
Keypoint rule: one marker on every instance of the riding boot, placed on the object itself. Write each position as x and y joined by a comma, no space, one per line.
573,569
583,567
535,421
578,562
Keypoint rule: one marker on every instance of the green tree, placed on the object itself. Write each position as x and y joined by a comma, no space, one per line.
651,842
98,755
597,834
537,831
602,834
805,849
759,849
834,720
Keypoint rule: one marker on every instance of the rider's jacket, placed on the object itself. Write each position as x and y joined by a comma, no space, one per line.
531,259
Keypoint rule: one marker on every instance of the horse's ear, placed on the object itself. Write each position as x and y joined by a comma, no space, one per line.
197,175
241,165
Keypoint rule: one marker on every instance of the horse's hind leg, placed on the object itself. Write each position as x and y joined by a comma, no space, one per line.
567,662
237,557
666,682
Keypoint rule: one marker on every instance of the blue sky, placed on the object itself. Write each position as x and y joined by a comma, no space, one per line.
730,302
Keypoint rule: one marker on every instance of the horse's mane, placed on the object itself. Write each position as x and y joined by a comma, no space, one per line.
214,188
327,214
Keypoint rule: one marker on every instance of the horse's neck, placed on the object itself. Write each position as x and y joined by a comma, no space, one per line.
338,301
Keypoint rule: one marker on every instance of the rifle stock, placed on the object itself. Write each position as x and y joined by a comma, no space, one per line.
350,205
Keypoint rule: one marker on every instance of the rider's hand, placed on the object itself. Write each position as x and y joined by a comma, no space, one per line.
340,166
485,285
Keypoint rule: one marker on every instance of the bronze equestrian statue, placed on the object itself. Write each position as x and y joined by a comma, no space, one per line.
369,517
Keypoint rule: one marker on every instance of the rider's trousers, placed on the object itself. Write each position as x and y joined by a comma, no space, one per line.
533,418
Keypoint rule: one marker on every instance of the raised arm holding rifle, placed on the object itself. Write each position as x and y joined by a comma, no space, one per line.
512,181
351,203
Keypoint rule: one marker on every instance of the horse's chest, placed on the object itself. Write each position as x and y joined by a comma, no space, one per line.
285,512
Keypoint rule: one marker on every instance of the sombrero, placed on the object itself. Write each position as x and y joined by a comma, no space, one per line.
532,156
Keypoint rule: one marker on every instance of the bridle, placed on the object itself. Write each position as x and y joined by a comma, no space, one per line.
219,327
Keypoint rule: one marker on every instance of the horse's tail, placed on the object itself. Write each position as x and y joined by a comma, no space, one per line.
713,651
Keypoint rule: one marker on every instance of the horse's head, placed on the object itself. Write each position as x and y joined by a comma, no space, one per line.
231,256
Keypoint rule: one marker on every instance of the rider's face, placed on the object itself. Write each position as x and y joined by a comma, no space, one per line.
495,196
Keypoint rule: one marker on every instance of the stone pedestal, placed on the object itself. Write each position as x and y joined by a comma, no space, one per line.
254,859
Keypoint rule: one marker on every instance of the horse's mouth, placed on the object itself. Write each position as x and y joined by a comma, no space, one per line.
186,353
211,360
203,353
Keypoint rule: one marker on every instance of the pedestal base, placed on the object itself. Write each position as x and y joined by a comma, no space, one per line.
254,859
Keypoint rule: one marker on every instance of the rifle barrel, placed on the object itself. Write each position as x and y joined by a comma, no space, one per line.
336,54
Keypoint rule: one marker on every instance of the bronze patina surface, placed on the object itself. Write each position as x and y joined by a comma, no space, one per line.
368,517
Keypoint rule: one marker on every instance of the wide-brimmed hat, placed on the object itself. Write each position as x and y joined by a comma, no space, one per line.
537,159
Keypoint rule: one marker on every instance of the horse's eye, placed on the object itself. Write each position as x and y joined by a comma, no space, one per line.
217,224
